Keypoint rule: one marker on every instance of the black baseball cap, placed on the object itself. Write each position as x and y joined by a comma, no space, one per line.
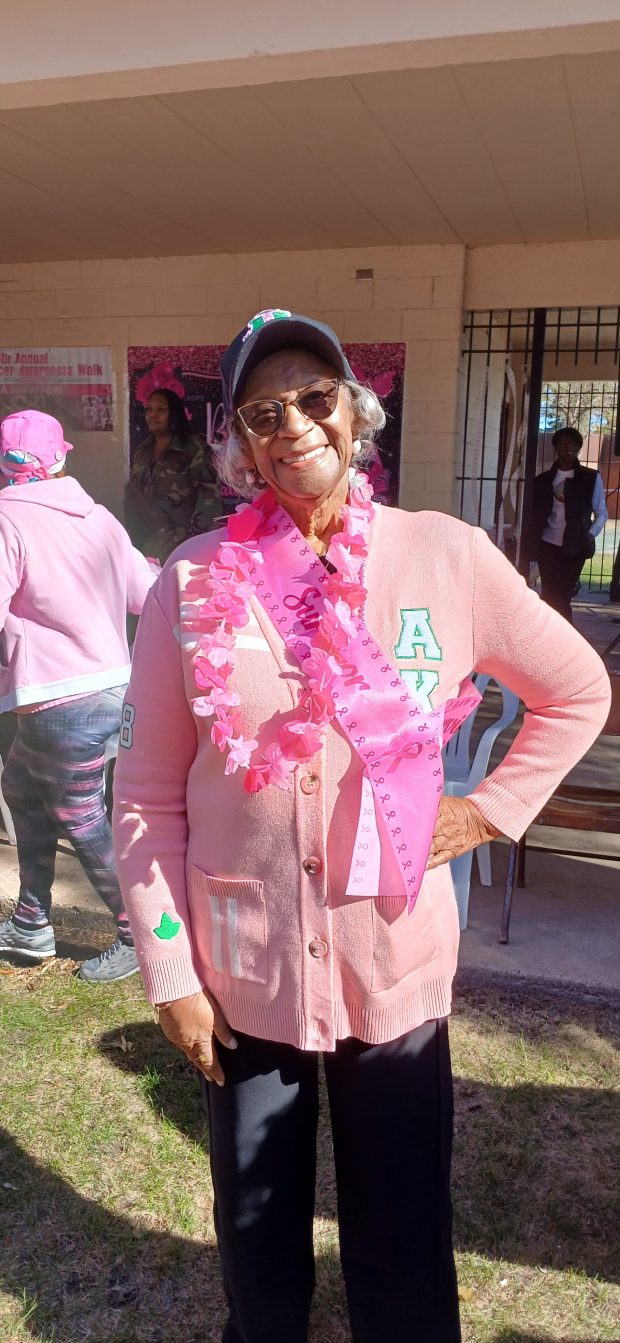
271,330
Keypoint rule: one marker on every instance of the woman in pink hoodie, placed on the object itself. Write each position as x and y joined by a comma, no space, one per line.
283,842
69,575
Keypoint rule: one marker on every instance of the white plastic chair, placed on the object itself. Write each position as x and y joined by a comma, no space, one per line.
462,775
7,819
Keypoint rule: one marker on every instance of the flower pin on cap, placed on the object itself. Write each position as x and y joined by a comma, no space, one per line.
32,438
271,330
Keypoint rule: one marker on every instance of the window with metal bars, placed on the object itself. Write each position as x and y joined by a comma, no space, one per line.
524,373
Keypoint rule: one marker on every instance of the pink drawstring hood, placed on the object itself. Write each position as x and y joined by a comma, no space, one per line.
32,447
69,574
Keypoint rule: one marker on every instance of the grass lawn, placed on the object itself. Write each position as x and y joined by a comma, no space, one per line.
599,573
106,1230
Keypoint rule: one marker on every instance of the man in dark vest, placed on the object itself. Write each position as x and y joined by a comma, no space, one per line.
568,512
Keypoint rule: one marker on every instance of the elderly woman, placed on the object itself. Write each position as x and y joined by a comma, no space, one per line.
283,843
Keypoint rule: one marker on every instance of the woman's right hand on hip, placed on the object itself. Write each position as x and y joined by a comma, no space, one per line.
191,1024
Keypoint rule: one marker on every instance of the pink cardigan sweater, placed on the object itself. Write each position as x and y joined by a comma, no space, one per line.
218,883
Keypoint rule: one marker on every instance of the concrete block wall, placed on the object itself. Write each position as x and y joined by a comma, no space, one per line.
416,295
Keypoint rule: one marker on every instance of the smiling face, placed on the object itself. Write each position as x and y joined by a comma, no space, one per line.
305,462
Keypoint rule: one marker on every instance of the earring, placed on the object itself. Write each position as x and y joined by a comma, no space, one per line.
353,469
250,478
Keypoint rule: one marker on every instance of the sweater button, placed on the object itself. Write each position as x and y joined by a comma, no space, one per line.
318,948
310,783
312,866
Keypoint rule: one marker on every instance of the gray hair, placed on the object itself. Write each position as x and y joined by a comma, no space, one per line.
230,453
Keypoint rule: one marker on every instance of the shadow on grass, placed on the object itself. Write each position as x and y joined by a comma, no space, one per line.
535,1173
83,1271
516,1336
533,1180
173,1089
534,1176
169,1080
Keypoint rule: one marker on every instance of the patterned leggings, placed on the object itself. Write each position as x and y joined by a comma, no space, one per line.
53,782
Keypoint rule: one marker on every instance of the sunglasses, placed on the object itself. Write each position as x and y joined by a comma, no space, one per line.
316,402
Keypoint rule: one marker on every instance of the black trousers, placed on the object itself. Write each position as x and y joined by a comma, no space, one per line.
559,576
391,1116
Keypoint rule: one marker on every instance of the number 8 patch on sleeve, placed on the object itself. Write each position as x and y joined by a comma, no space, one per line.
127,721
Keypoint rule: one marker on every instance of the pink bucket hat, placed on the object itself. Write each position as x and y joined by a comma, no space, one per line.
32,446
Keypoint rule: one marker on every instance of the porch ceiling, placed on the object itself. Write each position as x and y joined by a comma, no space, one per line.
501,152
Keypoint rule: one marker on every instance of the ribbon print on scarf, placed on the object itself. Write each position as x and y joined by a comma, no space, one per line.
399,743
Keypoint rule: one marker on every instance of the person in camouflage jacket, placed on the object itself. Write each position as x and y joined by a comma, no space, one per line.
173,491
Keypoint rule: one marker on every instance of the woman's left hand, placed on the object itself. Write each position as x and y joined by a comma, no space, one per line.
458,828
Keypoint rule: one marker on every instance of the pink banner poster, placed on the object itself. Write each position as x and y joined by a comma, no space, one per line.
193,372
75,385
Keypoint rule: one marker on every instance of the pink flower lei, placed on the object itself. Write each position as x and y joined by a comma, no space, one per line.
226,609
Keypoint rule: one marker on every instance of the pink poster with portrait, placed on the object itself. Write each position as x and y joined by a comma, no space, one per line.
193,372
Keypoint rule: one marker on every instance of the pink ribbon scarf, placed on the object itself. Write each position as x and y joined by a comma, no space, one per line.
399,743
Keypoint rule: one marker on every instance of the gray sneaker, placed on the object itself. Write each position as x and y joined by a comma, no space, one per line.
116,962
37,944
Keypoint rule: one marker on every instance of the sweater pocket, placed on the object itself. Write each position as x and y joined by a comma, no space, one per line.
229,925
402,942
